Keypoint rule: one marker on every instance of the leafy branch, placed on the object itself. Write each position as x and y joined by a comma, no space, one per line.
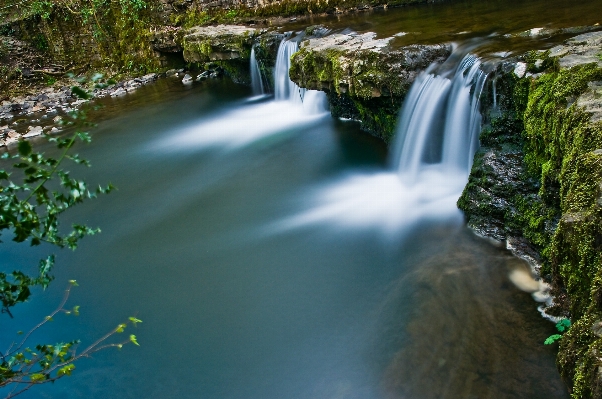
34,194
30,209
25,367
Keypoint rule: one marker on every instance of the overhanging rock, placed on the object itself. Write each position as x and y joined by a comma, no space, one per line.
361,65
218,43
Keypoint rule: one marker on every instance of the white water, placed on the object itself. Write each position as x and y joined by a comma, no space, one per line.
436,139
440,122
253,120
256,79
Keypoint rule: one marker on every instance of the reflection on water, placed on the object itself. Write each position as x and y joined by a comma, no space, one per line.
472,333
514,24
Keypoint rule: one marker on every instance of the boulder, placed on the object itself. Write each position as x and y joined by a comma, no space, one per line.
218,43
361,65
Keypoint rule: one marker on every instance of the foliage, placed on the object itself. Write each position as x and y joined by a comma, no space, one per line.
562,326
34,194
114,34
30,208
23,367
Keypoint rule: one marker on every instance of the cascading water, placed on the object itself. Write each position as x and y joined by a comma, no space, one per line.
436,139
284,88
293,108
313,101
256,79
440,122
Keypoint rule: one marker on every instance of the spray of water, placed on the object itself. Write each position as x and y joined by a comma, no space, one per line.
436,139
252,121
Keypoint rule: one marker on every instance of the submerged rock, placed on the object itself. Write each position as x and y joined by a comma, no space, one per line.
187,79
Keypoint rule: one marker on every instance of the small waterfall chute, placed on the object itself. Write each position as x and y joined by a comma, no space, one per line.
256,79
285,89
437,137
441,111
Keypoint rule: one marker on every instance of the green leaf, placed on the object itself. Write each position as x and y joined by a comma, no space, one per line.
66,370
97,76
563,325
37,377
552,338
135,321
133,340
79,92
120,328
24,148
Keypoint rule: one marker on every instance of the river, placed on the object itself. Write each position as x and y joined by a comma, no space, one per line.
269,256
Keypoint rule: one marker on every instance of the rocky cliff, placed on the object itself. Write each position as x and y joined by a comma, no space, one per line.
537,182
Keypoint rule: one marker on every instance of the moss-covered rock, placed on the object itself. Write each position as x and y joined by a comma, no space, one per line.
218,43
560,116
365,79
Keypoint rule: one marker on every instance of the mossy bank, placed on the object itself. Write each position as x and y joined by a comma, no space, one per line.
547,131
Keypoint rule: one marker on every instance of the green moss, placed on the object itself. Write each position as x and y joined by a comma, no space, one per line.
560,212
100,35
561,143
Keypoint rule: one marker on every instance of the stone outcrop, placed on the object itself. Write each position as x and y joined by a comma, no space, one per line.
364,77
218,43
582,49
361,65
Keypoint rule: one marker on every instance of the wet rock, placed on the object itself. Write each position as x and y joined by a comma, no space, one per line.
33,131
119,92
217,43
591,100
520,69
582,49
361,65
187,79
167,40
149,78
203,76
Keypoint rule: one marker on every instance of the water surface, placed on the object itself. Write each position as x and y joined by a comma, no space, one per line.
513,27
238,302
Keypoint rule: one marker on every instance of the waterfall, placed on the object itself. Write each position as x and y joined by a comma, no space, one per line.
437,137
440,122
256,80
284,88
313,101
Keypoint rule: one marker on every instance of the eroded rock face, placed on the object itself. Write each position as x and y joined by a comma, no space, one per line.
218,43
548,130
364,77
167,40
361,65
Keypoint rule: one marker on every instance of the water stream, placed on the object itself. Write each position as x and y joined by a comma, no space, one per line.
256,78
273,252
